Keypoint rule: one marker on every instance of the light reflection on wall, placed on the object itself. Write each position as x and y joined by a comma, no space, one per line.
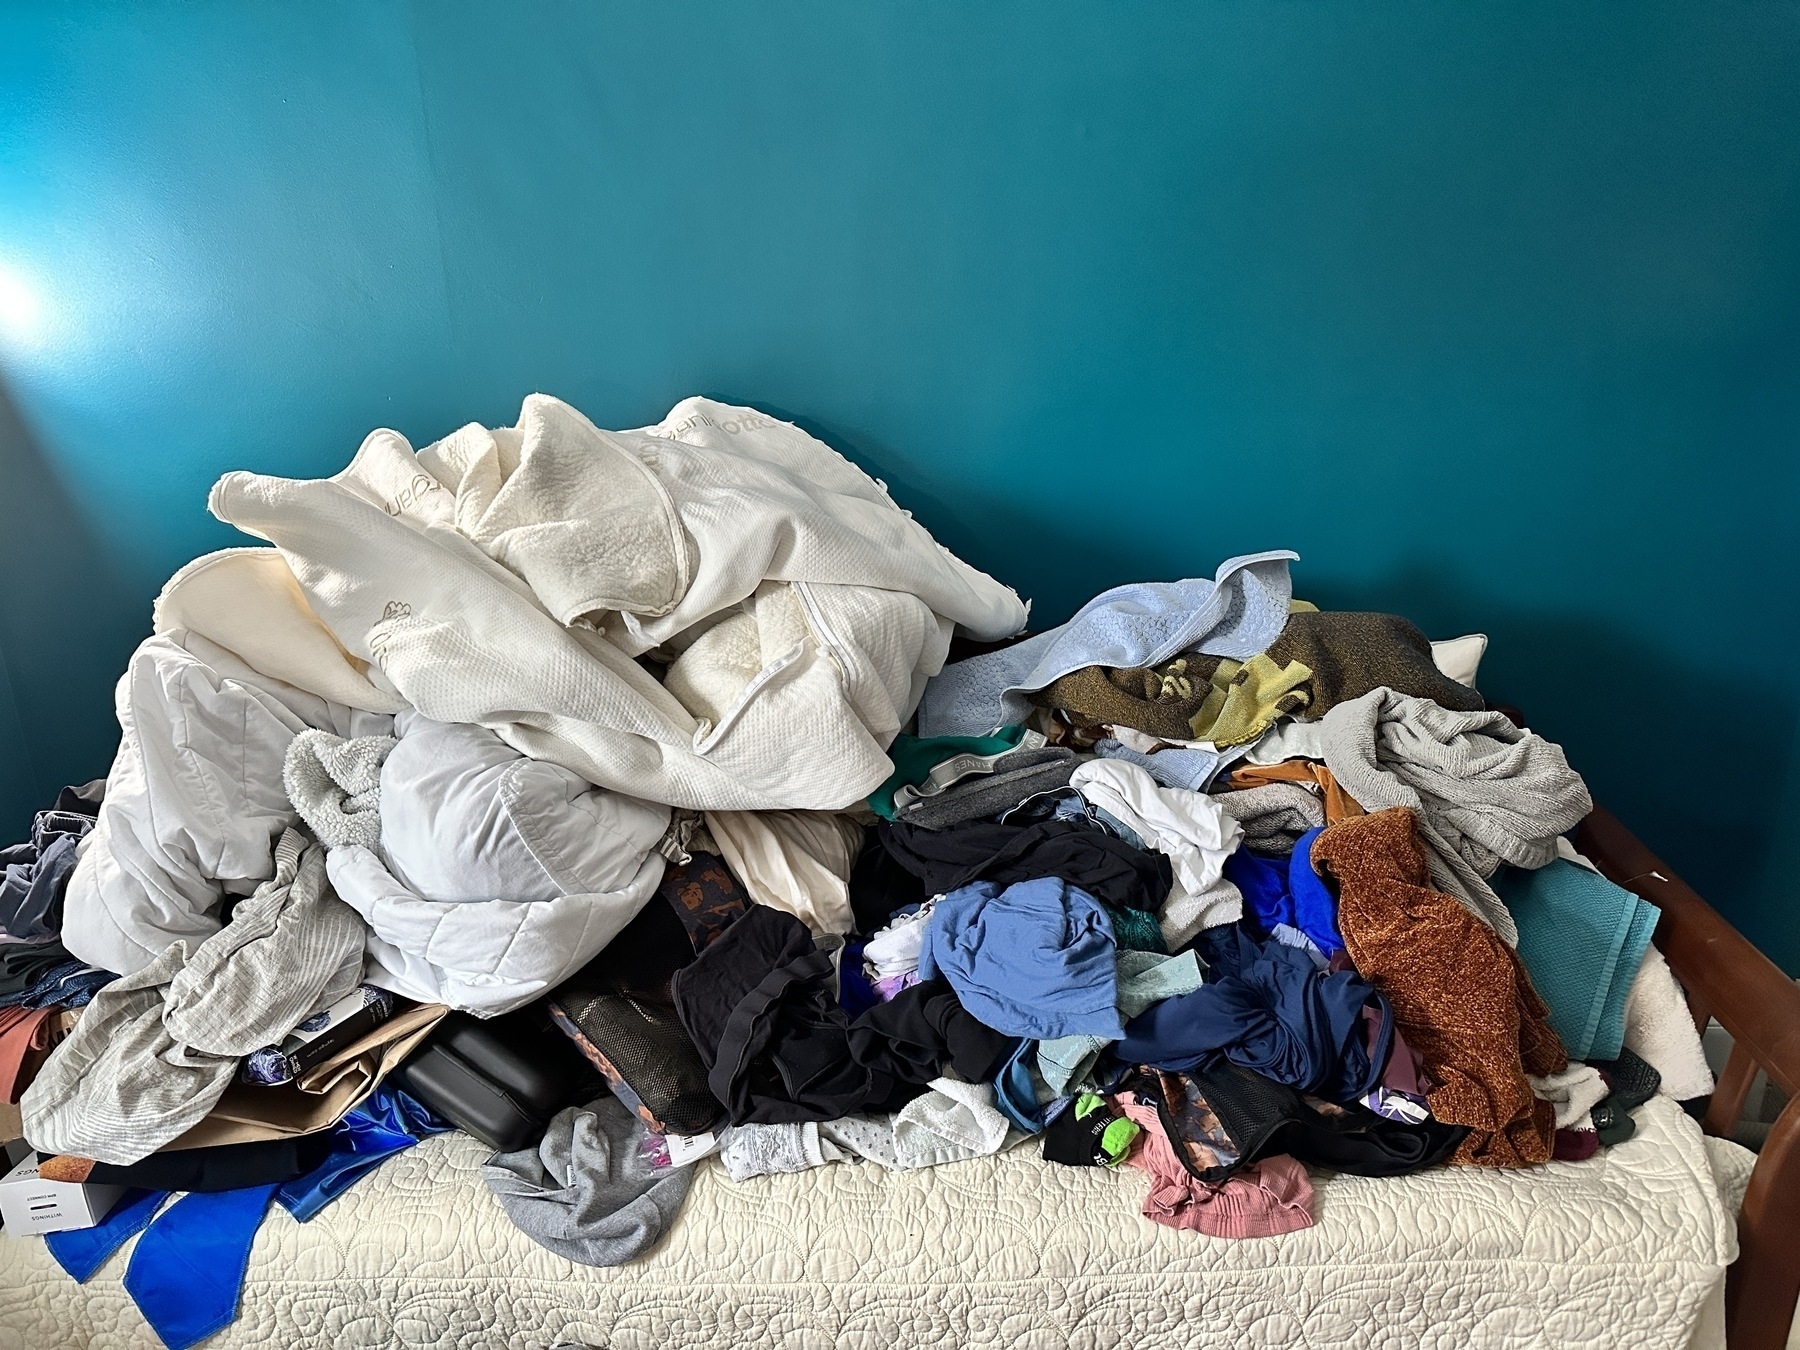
21,308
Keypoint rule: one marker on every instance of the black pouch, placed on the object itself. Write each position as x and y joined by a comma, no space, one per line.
499,1080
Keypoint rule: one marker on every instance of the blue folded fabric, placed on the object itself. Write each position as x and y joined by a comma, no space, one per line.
1175,767
186,1274
1238,613
1033,959
71,984
1015,1090
1268,1009
187,1270
1582,940
82,1251
1288,891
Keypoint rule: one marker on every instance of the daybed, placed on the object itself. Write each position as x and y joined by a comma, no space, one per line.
1672,1239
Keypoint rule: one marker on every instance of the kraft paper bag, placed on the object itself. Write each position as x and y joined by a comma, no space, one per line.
323,1096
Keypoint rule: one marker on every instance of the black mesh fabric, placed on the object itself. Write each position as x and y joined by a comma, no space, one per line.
640,1048
1265,1118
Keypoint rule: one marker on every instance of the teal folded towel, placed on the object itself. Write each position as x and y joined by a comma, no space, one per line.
1582,940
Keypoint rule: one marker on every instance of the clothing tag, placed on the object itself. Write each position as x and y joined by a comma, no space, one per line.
687,1148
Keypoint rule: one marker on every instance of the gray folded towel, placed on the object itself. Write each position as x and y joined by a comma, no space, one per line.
1014,776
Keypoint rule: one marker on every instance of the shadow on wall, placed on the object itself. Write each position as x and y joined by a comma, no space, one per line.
68,623
1628,714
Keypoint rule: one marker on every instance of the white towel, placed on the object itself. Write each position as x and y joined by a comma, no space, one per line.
1189,827
1660,1030
335,785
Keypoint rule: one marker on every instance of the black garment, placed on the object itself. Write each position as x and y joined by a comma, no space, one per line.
643,958
1265,1118
34,875
84,800
1074,1140
1632,1082
222,1167
1103,865
912,1036
759,1006
879,885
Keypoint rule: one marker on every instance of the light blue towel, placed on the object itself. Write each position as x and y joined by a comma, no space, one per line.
1582,940
1176,767
1237,614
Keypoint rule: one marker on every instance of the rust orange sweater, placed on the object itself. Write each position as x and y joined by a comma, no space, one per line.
1460,996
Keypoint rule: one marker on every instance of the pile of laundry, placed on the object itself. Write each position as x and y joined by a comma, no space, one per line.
612,796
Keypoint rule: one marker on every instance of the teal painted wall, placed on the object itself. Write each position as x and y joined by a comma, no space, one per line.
1490,310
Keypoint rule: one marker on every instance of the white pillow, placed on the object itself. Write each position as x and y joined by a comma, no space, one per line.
464,816
1459,658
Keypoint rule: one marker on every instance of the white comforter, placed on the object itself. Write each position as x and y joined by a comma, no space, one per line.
194,801
1628,1249
510,577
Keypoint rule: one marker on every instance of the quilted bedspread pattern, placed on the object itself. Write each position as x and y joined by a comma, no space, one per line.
1007,1251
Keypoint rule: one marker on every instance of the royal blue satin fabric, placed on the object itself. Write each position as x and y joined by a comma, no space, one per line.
187,1271
387,1123
186,1274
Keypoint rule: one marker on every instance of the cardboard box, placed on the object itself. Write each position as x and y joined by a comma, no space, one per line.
31,1205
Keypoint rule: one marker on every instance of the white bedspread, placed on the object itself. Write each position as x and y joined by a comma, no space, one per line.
1623,1250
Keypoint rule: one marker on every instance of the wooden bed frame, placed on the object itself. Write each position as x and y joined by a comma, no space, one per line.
1729,979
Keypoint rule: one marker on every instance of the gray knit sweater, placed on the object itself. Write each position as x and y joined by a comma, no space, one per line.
1485,791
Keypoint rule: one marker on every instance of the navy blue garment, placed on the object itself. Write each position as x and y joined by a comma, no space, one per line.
1288,890
386,1123
1267,1008
187,1270
219,1167
34,875
71,984
82,1251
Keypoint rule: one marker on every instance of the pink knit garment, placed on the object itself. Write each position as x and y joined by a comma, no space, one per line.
1265,1199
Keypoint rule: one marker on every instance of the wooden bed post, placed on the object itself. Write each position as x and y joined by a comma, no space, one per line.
1727,977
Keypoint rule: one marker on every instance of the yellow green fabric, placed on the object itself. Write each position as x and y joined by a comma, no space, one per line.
1247,697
